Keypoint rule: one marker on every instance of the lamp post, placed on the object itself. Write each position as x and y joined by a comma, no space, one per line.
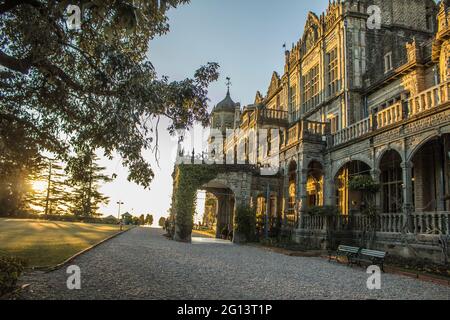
118,214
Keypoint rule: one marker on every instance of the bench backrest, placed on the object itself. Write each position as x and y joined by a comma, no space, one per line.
373,253
348,249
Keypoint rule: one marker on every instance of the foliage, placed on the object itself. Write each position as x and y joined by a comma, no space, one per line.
363,183
56,197
187,180
10,271
86,180
326,211
162,222
63,91
245,222
148,220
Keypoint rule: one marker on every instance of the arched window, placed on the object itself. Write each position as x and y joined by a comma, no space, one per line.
391,182
314,185
346,199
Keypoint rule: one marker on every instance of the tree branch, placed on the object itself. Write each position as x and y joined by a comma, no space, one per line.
9,5
19,65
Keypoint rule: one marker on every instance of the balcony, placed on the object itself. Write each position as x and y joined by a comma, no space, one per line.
311,131
389,116
272,117
403,110
354,131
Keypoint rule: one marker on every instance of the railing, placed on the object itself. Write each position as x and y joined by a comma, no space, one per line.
426,100
429,99
390,115
352,132
292,135
271,114
419,223
315,128
431,223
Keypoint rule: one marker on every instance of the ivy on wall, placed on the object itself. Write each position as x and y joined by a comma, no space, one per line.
187,180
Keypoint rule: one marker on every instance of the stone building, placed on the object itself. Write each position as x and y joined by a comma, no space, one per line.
354,100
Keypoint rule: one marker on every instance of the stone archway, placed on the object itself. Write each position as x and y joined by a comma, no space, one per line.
431,174
233,181
346,199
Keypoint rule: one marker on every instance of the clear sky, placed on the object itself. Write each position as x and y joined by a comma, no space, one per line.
245,37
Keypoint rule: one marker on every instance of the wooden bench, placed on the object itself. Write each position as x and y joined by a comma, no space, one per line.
345,251
370,256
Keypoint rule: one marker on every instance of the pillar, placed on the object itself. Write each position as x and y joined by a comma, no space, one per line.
407,191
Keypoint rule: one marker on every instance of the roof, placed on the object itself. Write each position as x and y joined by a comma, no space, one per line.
226,104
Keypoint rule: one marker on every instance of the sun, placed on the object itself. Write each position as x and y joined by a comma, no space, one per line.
39,186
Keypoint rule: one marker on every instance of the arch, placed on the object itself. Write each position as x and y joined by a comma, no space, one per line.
413,151
340,164
391,179
348,200
315,184
431,168
385,150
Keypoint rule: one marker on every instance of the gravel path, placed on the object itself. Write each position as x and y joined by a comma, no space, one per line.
142,264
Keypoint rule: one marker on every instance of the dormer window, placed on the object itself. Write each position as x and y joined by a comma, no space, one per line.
388,66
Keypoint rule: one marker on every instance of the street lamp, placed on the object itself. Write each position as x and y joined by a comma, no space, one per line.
119,203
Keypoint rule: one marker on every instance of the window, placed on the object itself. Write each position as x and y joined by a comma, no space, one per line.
311,88
332,72
293,97
334,123
388,62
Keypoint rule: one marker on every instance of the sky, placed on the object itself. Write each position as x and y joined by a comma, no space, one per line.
246,38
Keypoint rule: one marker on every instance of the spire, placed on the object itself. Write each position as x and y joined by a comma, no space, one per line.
228,85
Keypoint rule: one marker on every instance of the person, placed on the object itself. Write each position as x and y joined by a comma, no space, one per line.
121,224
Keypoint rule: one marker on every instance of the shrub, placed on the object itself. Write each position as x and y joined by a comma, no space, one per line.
246,222
323,211
363,183
10,271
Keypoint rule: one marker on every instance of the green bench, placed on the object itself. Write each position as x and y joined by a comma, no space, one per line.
372,257
356,255
345,251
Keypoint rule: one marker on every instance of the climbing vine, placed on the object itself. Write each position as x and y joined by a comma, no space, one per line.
368,187
187,180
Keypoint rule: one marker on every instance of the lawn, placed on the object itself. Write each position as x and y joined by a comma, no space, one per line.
48,243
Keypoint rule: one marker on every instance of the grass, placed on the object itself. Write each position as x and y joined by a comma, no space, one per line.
48,243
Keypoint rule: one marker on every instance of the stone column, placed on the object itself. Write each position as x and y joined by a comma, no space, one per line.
302,178
375,173
407,190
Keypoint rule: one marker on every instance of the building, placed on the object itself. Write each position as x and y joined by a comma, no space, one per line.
353,101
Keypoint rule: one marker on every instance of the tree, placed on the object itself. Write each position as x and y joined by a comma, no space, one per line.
69,90
55,198
162,222
149,219
86,179
142,220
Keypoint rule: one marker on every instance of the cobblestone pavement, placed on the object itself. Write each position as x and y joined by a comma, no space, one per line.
142,264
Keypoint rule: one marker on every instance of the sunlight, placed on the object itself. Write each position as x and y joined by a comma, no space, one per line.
39,185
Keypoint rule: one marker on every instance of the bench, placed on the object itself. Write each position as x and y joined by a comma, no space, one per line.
345,251
373,257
